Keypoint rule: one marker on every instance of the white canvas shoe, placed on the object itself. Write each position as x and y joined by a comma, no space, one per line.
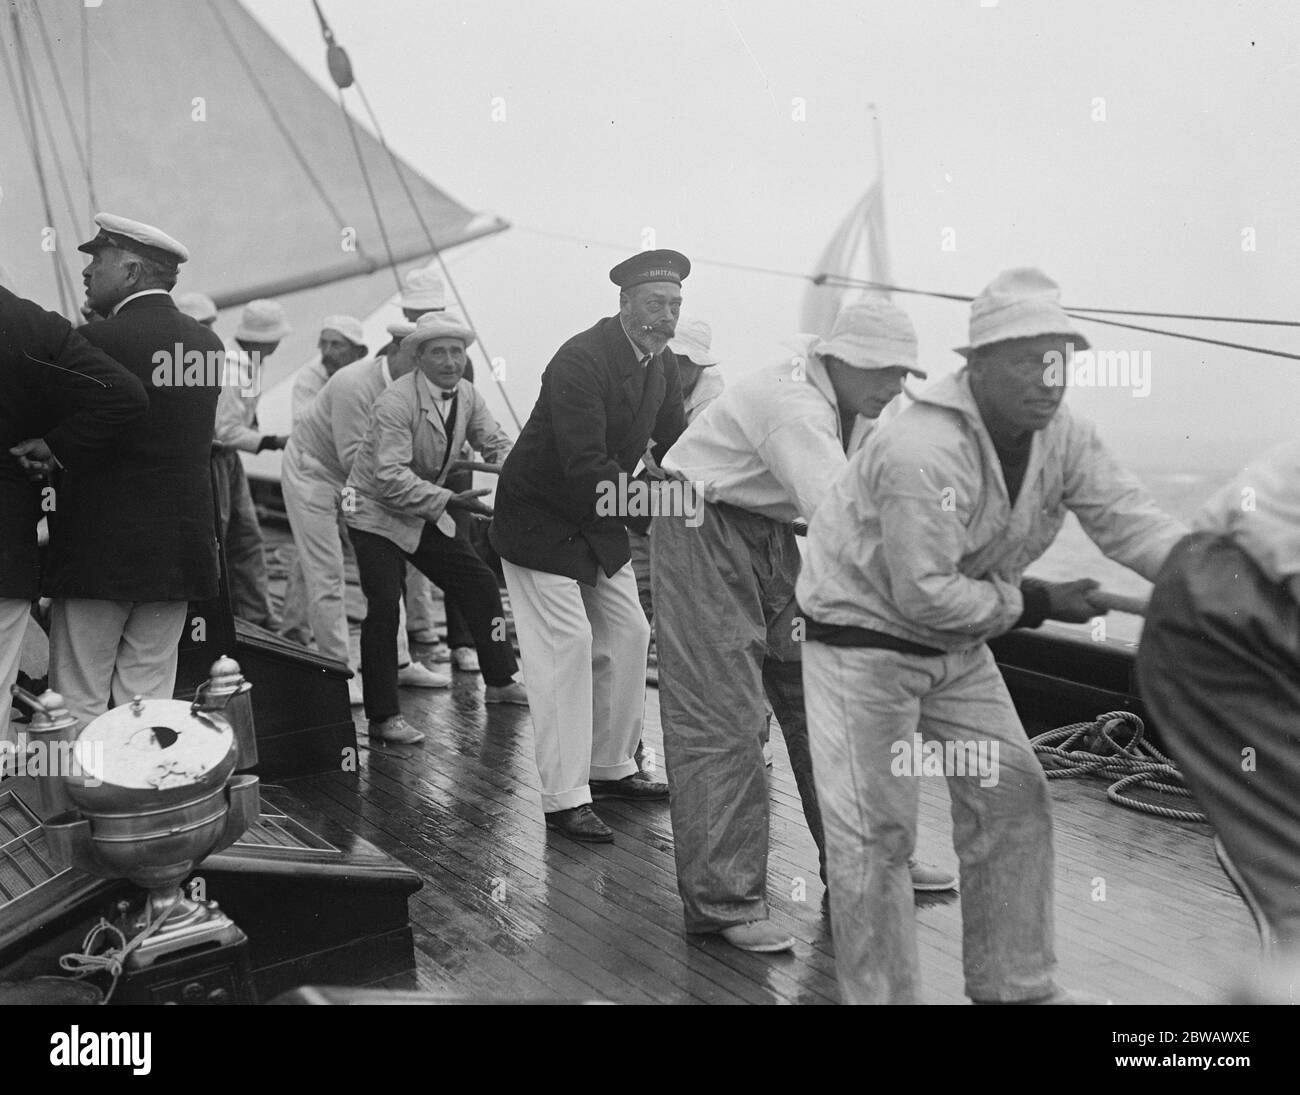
416,675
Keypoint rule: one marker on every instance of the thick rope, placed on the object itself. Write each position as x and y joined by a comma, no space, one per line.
1098,749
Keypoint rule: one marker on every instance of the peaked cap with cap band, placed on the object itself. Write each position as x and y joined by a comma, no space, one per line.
198,306
262,321
649,266
438,325
1019,303
872,334
424,292
348,326
137,237
692,341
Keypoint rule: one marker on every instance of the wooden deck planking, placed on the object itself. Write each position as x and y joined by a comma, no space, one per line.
604,921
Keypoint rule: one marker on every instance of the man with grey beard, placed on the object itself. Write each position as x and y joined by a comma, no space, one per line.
582,635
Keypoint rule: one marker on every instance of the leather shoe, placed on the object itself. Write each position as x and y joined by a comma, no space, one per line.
580,823
758,935
636,786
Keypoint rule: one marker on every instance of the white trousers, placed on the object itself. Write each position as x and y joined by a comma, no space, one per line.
113,650
14,614
311,500
583,650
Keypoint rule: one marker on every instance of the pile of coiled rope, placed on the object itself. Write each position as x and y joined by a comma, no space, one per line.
1112,747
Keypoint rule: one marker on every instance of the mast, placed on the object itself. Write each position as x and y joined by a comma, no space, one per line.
884,274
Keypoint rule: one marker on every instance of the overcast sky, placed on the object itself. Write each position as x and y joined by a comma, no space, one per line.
1126,152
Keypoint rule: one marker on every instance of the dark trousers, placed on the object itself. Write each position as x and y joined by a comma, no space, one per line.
458,629
1219,669
469,584
241,534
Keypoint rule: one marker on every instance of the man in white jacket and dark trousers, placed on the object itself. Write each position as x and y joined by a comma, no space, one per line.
914,560
723,575
398,510
262,326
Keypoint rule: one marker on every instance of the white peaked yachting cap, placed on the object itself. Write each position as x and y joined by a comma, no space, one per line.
1019,303
348,326
262,321
424,292
438,325
692,340
135,236
872,334
400,330
198,306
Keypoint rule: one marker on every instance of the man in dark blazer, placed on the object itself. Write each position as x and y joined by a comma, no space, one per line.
133,539
561,532
63,401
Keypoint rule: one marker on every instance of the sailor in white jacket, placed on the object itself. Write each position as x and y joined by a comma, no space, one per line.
262,326
914,560
723,573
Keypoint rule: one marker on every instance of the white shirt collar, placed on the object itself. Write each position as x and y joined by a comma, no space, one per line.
142,293
383,371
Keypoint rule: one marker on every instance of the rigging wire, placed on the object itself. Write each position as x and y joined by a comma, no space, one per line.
437,253
1190,315
848,282
345,73
28,126
845,282
63,96
285,132
64,185
370,190
85,109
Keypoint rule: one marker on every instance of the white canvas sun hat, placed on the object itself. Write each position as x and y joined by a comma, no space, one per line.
1019,303
872,334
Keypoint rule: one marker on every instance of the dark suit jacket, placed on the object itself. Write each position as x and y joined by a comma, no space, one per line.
54,385
137,525
597,409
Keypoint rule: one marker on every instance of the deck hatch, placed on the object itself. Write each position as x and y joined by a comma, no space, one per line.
25,861
276,830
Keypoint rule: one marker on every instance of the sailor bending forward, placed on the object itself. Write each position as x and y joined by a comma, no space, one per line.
763,454
582,634
915,560
398,511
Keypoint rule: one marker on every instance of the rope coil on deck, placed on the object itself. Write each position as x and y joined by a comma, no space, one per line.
1098,749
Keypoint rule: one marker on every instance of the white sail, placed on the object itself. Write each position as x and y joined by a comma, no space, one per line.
858,250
